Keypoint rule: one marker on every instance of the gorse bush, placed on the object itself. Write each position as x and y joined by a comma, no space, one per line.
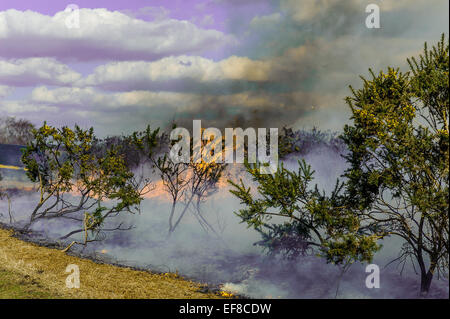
77,182
399,158
397,183
315,224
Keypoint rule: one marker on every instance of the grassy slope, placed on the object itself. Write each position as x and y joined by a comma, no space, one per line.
30,271
13,285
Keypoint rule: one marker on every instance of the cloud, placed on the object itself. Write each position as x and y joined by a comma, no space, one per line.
308,66
237,91
36,71
91,99
393,5
333,10
266,21
24,107
292,67
207,20
103,35
5,90
246,109
302,11
149,12
183,73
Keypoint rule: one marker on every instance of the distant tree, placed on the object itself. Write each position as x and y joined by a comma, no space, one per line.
15,131
131,146
304,141
77,182
399,158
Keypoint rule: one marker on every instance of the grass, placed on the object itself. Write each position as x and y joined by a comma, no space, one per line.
16,286
31,271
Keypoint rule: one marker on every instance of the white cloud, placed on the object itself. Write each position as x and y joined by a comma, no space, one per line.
17,107
5,90
90,98
102,35
176,73
35,71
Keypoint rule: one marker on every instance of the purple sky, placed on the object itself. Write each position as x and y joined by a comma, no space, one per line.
227,62
220,11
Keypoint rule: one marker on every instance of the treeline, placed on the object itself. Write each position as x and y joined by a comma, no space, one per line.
15,131
302,142
20,132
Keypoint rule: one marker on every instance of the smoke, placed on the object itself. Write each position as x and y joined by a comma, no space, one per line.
229,256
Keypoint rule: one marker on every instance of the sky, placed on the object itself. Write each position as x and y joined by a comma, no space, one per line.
229,63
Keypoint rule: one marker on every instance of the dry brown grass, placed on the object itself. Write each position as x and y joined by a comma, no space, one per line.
46,267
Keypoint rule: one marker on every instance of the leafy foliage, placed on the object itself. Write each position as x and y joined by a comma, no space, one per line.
399,157
137,148
67,165
397,183
315,223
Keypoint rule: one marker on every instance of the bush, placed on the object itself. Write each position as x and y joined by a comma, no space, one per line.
75,182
